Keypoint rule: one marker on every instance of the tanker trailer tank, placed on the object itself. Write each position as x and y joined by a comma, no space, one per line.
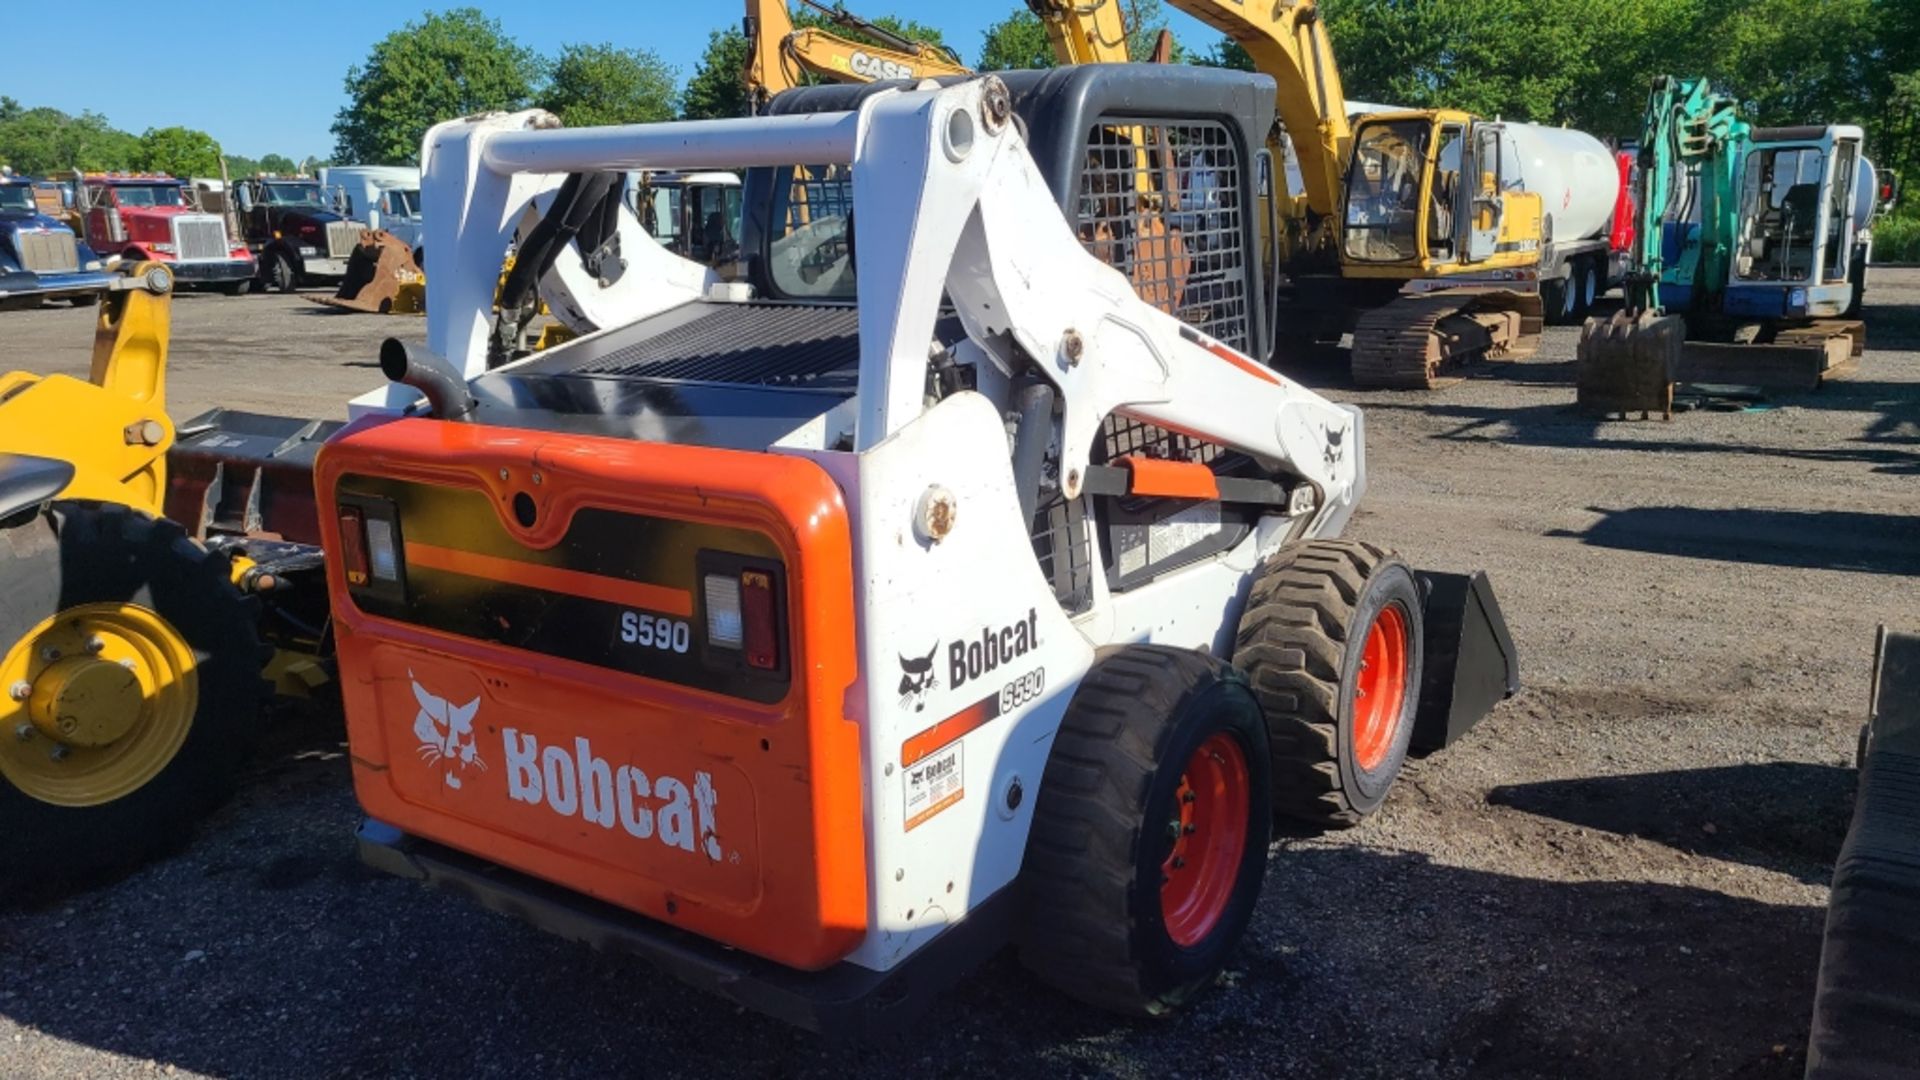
1578,181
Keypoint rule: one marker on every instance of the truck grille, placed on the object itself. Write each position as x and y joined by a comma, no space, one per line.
342,238
199,237
48,253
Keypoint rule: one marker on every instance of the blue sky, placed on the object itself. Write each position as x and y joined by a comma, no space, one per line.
269,78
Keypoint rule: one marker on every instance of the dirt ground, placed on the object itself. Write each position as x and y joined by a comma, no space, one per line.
1621,872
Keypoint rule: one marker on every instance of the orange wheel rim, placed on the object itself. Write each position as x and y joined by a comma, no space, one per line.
1209,830
1380,691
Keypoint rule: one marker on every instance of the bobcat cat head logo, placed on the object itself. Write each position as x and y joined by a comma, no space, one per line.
917,678
445,731
1336,448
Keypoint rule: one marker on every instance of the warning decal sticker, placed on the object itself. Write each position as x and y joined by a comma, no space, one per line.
933,783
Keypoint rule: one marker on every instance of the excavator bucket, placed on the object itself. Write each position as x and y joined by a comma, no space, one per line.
380,273
1629,364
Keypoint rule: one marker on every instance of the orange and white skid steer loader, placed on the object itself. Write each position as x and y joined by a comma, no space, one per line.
815,634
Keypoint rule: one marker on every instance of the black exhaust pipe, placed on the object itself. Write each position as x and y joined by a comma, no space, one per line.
447,396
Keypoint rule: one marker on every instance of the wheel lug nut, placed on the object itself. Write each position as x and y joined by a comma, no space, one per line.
95,645
127,663
23,732
49,654
59,752
1178,862
21,690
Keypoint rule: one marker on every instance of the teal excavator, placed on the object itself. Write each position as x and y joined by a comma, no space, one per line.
1749,258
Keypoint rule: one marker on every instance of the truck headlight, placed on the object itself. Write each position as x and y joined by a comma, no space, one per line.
168,248
1797,302
93,264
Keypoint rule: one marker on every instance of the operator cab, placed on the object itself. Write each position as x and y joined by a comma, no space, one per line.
1802,251
1427,188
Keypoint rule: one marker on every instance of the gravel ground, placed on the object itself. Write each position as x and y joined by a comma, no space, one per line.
1621,872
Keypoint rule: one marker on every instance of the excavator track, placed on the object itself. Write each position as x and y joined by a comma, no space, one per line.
1412,342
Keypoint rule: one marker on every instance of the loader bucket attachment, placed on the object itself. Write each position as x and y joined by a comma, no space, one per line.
1470,665
1866,1005
379,269
1629,364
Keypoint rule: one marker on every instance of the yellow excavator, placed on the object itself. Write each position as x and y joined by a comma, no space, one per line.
1431,234
780,56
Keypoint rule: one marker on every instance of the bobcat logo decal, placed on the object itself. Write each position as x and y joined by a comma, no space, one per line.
917,679
445,731
1336,448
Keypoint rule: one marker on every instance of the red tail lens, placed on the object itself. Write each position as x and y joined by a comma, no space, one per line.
353,545
757,611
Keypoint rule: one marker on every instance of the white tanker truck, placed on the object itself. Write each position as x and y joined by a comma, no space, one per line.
1583,188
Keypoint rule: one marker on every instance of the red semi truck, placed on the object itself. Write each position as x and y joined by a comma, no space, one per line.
152,216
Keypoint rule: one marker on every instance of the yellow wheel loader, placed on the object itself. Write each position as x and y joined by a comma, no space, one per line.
130,651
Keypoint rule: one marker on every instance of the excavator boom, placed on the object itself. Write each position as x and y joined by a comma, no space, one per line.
780,56
1287,40
1084,31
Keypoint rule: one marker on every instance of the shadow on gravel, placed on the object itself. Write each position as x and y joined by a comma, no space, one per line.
1783,816
1564,427
283,958
1810,539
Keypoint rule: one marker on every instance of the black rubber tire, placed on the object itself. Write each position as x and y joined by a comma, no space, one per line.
1556,301
84,552
1300,644
1092,924
1586,285
280,273
237,288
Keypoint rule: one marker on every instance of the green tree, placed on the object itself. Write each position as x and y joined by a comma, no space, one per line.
1015,43
717,88
278,163
179,151
1020,40
41,141
601,84
448,64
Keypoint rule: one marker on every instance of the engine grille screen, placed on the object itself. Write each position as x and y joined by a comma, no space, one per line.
200,237
49,253
342,238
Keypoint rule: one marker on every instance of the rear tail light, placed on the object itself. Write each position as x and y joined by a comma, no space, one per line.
742,613
724,623
383,556
762,636
353,545
371,554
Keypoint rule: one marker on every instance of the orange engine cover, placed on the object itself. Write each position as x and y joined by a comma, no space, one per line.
529,674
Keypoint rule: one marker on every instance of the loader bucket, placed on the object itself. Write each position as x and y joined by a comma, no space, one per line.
1866,1005
380,267
1629,364
1470,663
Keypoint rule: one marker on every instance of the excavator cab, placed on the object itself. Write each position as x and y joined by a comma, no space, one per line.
1800,252
1430,193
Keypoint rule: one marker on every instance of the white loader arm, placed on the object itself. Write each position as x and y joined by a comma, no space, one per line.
947,203
946,171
